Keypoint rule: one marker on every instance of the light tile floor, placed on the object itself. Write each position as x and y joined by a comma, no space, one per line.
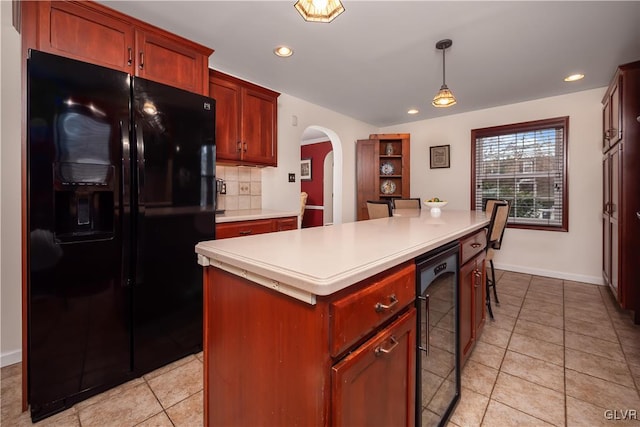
558,353
169,396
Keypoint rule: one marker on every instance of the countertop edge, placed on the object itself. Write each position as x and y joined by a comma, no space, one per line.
337,282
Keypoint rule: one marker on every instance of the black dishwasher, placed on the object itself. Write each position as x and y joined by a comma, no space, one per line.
438,348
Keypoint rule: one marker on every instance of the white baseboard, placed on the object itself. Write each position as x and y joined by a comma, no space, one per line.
594,280
10,358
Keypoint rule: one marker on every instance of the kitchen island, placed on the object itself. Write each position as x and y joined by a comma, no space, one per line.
301,325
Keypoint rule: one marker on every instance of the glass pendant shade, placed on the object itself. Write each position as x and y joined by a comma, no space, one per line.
444,98
319,10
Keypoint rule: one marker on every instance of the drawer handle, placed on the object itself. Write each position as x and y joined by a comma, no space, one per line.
476,245
245,232
379,351
380,307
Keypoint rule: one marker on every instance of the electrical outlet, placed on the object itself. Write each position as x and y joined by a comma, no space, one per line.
292,177
223,190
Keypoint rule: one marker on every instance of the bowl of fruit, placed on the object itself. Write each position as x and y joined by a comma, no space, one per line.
435,204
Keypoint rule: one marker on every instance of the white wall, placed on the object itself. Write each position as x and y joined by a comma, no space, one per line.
575,255
277,192
10,214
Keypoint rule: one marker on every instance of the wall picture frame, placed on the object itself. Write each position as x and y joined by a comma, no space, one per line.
439,156
305,169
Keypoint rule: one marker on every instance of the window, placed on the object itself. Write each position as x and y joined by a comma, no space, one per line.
525,163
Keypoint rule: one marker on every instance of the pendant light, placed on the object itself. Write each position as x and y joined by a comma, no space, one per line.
319,10
444,97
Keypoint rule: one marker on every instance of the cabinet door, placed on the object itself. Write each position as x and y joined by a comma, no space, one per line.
467,321
366,175
258,128
610,230
615,132
77,32
163,60
606,219
479,295
472,303
227,96
613,218
612,117
375,384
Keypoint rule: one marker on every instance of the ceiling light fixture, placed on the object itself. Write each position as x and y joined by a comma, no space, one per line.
413,111
574,77
444,97
283,51
319,10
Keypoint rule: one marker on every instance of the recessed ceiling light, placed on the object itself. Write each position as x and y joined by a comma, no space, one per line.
574,77
412,111
283,51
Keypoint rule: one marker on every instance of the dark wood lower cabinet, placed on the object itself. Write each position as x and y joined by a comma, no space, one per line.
621,187
227,230
273,360
375,384
472,292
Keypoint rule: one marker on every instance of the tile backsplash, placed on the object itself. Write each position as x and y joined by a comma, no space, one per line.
244,187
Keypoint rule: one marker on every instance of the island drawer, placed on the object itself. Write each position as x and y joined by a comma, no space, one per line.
358,314
472,245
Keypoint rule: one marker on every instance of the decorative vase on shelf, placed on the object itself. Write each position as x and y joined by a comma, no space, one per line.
389,149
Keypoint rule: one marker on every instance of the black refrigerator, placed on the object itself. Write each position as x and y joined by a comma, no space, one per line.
121,187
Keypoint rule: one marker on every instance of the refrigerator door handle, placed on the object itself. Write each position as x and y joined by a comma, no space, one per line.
140,178
125,186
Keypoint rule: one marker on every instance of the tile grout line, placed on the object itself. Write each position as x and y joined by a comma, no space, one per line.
564,357
505,351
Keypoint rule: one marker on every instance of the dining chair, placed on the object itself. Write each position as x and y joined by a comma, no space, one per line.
379,209
410,203
303,204
495,232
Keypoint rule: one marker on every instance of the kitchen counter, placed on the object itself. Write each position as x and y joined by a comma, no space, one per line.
317,261
251,214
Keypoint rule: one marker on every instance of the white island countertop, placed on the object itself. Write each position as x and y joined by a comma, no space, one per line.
315,261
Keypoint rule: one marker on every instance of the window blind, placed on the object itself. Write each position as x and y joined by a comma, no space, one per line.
526,165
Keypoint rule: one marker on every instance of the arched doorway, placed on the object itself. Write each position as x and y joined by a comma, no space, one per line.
318,134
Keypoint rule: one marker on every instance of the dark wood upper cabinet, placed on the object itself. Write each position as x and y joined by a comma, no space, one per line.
612,115
93,33
246,121
166,61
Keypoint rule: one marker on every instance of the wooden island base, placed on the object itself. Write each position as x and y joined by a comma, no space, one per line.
273,360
